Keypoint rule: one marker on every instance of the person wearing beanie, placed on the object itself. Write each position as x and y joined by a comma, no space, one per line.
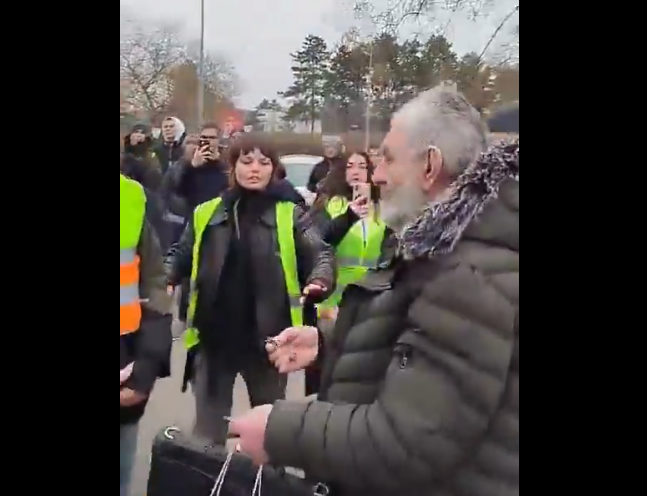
139,161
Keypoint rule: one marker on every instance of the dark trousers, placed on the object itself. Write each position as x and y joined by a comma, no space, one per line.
213,388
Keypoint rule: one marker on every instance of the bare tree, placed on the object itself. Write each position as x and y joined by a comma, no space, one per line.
499,28
147,55
220,78
391,15
509,53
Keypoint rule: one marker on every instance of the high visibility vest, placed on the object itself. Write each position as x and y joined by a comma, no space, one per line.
285,230
358,251
132,209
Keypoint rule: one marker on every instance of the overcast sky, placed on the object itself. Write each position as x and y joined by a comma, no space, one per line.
257,36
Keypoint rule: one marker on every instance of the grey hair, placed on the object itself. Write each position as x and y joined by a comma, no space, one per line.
442,117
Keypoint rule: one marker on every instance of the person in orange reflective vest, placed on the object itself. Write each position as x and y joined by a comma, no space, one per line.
144,319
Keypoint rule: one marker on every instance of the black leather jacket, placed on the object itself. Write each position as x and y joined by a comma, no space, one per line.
315,261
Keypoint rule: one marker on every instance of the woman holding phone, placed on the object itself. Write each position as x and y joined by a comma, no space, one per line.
347,211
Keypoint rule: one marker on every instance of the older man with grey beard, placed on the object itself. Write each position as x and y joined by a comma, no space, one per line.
420,383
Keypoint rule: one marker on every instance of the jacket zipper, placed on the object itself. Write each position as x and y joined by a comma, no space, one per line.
236,226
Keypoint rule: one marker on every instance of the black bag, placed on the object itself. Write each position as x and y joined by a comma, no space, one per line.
180,466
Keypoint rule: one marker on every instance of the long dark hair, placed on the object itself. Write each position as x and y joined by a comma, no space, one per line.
335,183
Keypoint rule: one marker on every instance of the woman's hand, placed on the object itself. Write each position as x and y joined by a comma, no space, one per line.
313,292
360,207
294,349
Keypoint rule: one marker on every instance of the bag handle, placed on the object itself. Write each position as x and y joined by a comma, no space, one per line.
257,489
319,489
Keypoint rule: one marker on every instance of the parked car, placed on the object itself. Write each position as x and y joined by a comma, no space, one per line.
298,169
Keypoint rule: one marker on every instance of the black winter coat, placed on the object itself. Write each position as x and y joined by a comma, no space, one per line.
320,171
315,262
196,185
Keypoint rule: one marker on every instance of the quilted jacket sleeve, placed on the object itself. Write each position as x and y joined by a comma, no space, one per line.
445,382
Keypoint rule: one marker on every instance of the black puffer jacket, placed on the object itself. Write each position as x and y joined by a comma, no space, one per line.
173,202
196,185
420,388
315,260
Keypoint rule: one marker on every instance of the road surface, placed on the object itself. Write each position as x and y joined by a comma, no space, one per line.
168,406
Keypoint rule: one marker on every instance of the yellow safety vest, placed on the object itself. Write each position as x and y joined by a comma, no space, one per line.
285,229
132,210
358,251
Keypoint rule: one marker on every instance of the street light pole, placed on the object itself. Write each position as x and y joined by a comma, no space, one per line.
369,100
200,96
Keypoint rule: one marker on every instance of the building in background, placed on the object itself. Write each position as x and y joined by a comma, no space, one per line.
273,121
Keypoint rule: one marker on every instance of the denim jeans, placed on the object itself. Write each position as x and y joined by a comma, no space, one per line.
127,451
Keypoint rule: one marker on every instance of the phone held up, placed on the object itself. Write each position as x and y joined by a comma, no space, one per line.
362,190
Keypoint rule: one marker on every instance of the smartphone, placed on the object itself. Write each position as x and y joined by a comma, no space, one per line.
362,190
203,143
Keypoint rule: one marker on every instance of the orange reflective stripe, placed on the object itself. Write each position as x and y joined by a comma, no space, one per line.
130,317
130,312
129,272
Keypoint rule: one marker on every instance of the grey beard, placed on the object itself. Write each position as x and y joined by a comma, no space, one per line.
404,207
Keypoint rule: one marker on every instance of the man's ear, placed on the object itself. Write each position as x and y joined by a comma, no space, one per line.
434,164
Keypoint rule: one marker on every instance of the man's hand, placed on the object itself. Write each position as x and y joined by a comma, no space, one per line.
212,154
250,429
128,397
200,156
293,349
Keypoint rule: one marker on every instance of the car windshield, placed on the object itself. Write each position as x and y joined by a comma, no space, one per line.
298,173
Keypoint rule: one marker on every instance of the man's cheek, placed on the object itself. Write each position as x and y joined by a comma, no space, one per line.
393,181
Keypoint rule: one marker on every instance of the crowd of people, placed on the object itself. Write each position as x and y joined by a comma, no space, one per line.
397,291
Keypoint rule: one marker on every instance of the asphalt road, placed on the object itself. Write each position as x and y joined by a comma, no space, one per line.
168,406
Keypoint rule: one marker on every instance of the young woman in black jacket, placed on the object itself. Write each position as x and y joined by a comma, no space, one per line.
252,257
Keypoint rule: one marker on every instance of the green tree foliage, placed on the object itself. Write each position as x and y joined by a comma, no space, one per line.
347,75
256,117
252,119
384,73
311,74
269,105
346,85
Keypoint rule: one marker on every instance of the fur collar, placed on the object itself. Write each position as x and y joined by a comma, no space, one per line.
441,225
